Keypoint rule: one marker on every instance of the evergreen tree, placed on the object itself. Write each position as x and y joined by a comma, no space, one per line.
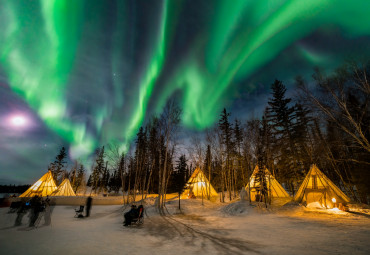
98,171
227,140
79,179
262,189
105,178
238,136
207,169
301,136
58,167
239,169
226,130
280,116
115,181
81,176
180,175
89,181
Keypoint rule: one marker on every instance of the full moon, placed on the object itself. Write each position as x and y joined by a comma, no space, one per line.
18,121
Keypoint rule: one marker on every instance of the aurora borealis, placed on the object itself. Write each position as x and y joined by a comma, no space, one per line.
90,72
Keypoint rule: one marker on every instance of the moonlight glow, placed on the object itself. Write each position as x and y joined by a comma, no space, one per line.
18,121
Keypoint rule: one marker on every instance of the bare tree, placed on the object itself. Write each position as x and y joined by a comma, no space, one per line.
214,139
196,149
117,161
168,122
335,103
342,104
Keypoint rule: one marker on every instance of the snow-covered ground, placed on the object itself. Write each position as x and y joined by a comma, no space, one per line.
212,228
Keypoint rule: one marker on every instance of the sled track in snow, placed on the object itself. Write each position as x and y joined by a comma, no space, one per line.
168,227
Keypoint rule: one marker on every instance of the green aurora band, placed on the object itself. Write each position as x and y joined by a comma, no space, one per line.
42,40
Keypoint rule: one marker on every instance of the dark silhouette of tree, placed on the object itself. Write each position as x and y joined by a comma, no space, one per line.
179,176
98,170
80,180
280,116
169,122
207,170
58,167
229,149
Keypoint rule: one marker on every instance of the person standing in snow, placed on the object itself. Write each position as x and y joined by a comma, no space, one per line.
22,210
88,206
47,216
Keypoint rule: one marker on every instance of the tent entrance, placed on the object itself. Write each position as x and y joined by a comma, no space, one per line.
317,190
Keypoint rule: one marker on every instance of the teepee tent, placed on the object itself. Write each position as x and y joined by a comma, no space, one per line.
275,190
42,188
64,189
199,185
317,188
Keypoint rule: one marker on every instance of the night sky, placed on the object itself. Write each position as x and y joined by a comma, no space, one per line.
86,73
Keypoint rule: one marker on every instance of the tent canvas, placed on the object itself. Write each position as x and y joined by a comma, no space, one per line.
274,188
318,188
64,189
43,187
199,185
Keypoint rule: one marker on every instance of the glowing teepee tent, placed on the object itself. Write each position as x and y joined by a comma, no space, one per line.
64,189
275,190
43,187
199,185
319,190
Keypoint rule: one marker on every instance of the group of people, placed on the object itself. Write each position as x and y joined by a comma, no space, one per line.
36,206
39,207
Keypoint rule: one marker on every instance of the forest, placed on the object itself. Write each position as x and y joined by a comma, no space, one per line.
325,122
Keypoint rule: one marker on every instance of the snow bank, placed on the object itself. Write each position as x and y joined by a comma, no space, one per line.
237,208
359,208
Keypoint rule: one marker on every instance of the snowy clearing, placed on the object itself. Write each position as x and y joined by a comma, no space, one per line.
212,228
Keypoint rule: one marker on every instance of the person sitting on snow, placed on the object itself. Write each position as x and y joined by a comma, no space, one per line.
133,213
36,208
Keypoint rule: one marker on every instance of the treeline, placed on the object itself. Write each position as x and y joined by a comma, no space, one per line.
325,122
13,188
148,168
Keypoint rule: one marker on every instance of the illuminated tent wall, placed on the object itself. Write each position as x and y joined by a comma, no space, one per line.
316,187
64,189
274,188
43,187
199,185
